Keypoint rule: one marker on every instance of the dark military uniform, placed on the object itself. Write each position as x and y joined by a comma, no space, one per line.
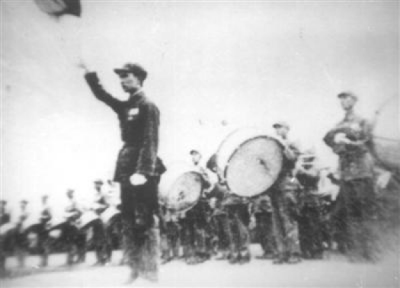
170,235
357,196
139,122
4,219
195,226
100,241
285,211
43,235
310,225
21,239
73,237
262,211
220,220
237,209
194,223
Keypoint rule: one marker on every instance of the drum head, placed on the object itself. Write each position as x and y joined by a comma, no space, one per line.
87,218
254,166
180,187
4,229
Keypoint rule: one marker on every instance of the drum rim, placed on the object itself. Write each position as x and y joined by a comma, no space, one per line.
225,171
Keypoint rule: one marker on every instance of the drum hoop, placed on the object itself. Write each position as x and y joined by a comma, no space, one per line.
240,146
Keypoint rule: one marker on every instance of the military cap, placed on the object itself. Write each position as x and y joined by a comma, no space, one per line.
133,68
194,151
347,94
281,124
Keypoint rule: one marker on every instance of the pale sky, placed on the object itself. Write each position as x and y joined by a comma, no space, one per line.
248,63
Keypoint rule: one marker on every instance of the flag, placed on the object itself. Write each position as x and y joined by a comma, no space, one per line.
59,8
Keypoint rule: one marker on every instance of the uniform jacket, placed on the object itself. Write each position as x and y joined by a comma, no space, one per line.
355,161
139,124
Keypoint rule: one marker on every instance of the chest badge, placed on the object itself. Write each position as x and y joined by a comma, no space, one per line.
132,113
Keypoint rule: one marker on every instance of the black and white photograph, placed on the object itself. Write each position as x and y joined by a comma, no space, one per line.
214,143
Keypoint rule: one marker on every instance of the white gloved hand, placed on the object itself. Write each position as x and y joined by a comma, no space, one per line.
137,179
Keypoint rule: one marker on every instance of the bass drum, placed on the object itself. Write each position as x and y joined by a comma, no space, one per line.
180,187
250,161
387,135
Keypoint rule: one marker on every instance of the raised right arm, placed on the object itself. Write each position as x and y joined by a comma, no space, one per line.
98,91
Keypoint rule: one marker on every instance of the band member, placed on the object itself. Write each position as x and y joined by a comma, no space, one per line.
284,199
219,215
74,239
137,170
232,221
351,140
99,241
238,212
5,218
43,234
112,219
21,239
4,213
262,213
99,201
310,225
170,235
194,222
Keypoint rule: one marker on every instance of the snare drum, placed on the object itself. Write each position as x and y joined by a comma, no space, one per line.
6,228
180,187
87,218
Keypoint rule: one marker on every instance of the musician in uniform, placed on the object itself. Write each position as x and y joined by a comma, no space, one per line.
4,213
195,222
207,233
170,234
351,140
310,219
138,170
5,218
21,240
43,233
101,243
284,198
220,221
262,213
74,240
233,220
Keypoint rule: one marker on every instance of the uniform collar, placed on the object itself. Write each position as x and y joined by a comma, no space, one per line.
350,115
135,97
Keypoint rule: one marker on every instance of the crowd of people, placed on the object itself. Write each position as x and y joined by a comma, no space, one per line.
293,220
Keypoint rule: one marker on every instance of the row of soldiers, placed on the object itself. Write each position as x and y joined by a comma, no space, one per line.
290,217
80,227
287,220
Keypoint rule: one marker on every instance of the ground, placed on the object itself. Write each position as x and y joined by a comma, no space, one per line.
333,271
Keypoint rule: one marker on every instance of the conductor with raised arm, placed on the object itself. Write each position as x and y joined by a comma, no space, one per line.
138,169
